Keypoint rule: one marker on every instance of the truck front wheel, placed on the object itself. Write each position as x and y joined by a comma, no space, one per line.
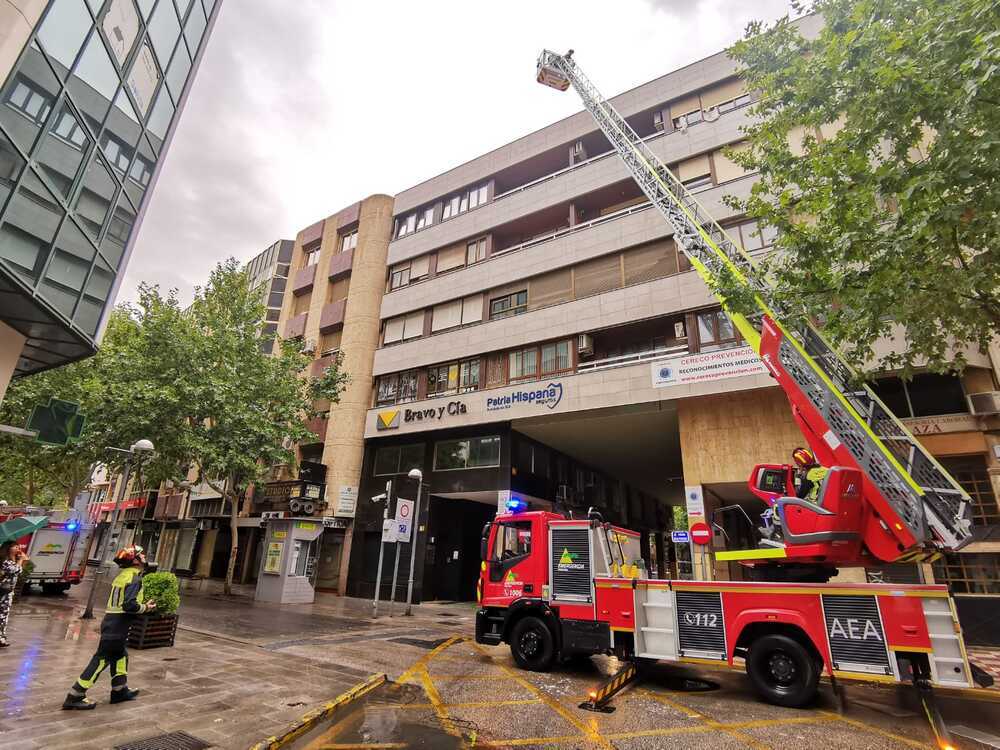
532,645
782,671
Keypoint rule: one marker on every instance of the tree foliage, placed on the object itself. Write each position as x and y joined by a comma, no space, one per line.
888,213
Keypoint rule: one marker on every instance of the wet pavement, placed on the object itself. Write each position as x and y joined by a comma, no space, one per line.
238,672
464,695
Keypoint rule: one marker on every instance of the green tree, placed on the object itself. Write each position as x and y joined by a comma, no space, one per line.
252,405
889,224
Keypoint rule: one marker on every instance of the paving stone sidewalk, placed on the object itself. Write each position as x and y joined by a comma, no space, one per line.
239,670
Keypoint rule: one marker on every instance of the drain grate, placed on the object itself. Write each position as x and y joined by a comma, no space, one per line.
418,642
171,741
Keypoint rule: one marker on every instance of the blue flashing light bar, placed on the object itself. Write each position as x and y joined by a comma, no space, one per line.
516,505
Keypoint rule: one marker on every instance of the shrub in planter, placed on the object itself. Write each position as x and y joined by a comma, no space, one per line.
162,587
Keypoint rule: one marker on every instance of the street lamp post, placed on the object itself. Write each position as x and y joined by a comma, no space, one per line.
419,476
138,447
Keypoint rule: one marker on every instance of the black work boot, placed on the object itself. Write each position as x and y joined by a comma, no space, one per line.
123,695
75,702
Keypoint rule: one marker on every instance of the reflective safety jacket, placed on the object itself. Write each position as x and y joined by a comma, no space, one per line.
124,602
809,487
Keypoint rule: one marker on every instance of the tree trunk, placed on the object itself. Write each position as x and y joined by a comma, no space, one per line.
234,544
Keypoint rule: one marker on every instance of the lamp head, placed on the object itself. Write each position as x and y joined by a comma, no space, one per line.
416,474
142,446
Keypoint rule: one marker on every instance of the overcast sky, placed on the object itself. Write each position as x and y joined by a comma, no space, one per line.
302,107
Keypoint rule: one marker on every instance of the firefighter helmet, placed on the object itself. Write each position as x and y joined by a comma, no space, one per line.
804,457
130,555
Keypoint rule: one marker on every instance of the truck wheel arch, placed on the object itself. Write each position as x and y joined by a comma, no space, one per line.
753,624
533,608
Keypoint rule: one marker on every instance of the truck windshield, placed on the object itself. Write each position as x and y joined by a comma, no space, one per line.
513,539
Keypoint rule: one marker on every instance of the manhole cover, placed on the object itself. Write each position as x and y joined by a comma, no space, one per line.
418,642
171,741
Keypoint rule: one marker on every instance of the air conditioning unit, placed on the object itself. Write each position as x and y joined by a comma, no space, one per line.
309,347
584,344
982,404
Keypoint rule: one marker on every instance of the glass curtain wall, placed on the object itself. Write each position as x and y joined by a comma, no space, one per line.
83,119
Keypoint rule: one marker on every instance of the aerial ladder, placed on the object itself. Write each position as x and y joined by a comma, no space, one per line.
908,508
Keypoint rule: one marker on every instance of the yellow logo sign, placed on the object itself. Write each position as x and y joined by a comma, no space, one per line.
566,558
387,420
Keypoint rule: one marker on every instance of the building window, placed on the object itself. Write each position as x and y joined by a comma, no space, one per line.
398,388
751,236
141,171
927,395
494,370
310,256
715,331
730,104
473,453
459,204
400,276
425,218
688,119
475,251
965,573
523,364
68,130
508,305
442,379
30,101
398,459
405,226
658,120
698,182
349,241
972,475
556,357
469,376
117,152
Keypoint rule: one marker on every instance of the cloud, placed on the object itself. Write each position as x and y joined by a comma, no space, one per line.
302,108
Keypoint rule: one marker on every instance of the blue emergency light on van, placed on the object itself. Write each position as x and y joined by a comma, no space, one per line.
516,505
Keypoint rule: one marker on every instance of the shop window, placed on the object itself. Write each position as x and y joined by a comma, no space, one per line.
715,331
398,459
972,475
472,453
969,573
508,305
442,379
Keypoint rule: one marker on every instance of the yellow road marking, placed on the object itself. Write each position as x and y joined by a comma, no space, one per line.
468,677
590,732
534,741
708,723
361,746
870,728
474,704
419,663
439,709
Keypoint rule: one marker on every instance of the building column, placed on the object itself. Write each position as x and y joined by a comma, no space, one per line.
11,346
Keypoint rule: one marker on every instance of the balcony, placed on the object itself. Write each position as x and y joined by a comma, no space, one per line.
341,263
322,363
296,326
168,507
212,507
303,280
317,426
580,179
332,316
623,360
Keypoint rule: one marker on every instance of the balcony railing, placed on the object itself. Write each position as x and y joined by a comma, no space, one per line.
630,359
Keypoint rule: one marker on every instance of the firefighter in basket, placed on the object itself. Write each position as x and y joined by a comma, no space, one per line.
811,474
125,602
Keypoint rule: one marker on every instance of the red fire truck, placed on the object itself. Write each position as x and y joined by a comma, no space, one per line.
58,551
552,586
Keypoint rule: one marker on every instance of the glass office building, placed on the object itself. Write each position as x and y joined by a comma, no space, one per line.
85,117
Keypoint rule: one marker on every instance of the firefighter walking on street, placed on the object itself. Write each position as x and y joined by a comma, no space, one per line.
125,601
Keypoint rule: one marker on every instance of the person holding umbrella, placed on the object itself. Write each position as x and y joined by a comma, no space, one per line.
12,559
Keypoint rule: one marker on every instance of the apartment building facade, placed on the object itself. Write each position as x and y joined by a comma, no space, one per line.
335,287
90,97
543,338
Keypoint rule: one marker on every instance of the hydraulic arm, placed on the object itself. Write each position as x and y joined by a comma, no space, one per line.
912,506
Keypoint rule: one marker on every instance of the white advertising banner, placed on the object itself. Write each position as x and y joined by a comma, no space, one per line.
697,368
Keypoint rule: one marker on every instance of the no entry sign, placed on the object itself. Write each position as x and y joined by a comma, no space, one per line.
700,533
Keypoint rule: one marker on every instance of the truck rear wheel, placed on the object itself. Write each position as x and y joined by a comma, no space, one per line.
782,671
532,645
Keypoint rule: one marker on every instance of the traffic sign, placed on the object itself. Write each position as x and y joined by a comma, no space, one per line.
404,519
680,537
700,533
389,531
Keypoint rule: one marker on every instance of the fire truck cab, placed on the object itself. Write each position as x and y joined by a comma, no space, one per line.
552,587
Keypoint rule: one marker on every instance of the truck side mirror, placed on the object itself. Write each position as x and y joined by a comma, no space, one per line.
484,541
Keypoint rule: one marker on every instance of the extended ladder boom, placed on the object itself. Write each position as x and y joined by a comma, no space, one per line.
915,501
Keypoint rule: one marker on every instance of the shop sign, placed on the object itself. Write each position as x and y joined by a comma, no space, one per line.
305,525
451,409
329,522
695,502
548,396
942,424
272,560
279,534
347,501
698,368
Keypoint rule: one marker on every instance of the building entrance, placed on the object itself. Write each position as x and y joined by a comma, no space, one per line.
451,562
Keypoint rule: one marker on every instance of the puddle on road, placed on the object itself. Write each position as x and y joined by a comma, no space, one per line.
389,714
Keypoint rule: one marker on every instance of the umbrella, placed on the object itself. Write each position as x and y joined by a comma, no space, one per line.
20,526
